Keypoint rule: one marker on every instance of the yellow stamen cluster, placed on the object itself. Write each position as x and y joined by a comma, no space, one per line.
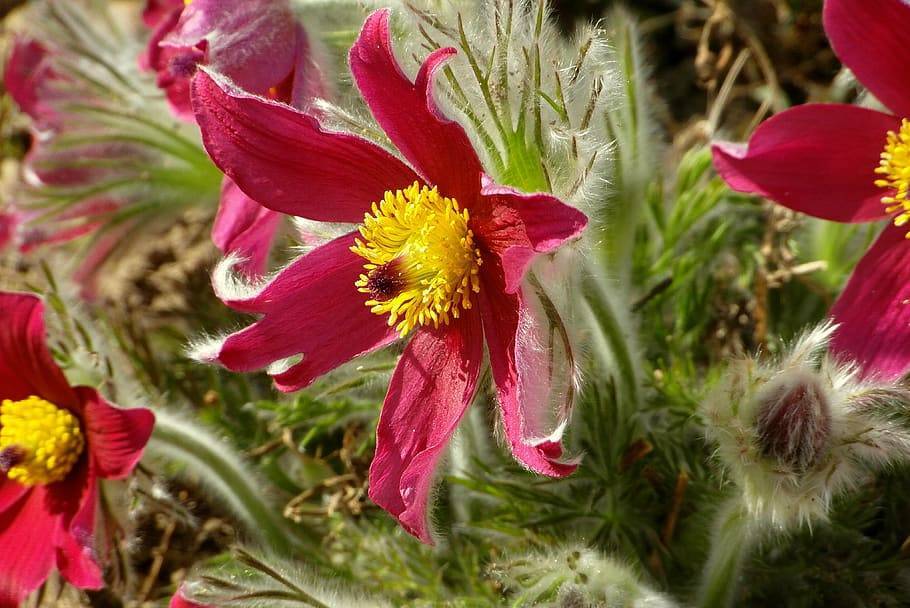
41,441
895,167
422,262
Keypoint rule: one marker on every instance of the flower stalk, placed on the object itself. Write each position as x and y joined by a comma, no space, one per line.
614,342
732,538
228,478
636,160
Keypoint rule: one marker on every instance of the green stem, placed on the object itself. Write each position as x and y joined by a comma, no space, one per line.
603,312
228,478
731,540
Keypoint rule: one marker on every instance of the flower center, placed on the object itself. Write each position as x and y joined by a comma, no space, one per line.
422,262
895,169
39,442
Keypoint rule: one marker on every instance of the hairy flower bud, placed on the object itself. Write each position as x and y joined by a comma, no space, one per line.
797,431
794,423
576,577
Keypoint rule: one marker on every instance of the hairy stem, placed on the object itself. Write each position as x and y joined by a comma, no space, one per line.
226,476
605,317
731,540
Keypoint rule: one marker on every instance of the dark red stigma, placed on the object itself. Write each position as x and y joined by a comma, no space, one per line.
10,457
386,281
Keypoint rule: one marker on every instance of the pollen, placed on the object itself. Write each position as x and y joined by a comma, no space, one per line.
39,442
894,168
422,262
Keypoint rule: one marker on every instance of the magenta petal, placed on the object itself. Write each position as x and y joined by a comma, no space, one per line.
244,227
870,39
312,308
874,309
10,492
116,437
436,146
26,365
68,496
818,159
23,75
174,66
76,556
156,10
519,226
430,390
283,158
514,364
77,563
177,89
253,42
27,540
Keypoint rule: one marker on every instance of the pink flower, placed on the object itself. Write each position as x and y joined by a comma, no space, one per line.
849,164
44,94
257,44
439,257
56,442
245,228
26,72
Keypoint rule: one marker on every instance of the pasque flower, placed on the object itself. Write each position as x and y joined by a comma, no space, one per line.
56,442
105,159
261,47
850,164
439,258
258,44
43,93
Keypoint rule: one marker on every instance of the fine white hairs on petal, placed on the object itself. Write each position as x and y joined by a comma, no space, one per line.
231,286
205,350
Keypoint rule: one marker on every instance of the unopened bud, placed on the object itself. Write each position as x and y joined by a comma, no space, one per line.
794,424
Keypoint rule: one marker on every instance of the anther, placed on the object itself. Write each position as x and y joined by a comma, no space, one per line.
421,260
894,169
40,443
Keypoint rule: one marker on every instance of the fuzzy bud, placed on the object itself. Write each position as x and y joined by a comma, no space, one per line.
794,424
577,577
787,429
